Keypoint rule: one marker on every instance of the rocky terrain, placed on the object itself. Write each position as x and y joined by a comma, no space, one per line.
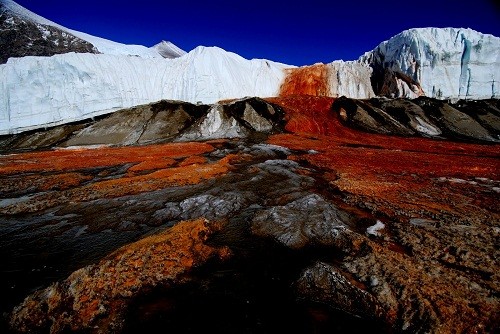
19,38
348,197
295,213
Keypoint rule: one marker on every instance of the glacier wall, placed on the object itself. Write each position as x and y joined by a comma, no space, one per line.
44,91
350,78
335,79
447,62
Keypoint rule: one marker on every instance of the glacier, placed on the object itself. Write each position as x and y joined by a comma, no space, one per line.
350,78
448,63
36,92
44,91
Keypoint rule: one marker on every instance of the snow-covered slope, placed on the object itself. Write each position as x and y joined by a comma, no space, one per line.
168,50
41,91
113,48
446,62
102,45
21,35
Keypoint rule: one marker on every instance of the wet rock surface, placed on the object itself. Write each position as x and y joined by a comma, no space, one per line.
323,282
309,219
97,296
324,228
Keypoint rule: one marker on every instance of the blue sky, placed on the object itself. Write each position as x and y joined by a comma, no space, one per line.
297,33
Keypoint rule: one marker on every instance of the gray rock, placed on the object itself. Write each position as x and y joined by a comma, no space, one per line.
124,127
307,220
20,37
462,124
215,124
257,122
324,283
210,206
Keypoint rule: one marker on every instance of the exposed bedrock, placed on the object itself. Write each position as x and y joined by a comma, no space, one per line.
167,121
163,121
424,117
20,37
389,83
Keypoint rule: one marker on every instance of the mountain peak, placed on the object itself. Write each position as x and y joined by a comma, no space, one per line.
168,49
101,45
20,11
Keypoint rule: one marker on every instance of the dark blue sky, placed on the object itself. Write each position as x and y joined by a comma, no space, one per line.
297,33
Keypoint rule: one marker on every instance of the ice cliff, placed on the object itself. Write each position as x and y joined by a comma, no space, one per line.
446,62
43,91
338,78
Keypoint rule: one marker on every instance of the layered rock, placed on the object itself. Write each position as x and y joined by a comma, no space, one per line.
238,119
159,122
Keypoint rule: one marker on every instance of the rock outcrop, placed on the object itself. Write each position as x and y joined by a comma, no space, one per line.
422,116
164,121
21,36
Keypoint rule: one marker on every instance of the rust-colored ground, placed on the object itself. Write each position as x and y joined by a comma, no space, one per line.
403,173
100,293
439,202
434,263
87,174
71,159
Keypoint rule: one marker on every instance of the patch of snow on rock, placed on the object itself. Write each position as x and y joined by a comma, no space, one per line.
375,229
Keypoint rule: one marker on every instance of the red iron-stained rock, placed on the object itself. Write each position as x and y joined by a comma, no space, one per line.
307,80
97,296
